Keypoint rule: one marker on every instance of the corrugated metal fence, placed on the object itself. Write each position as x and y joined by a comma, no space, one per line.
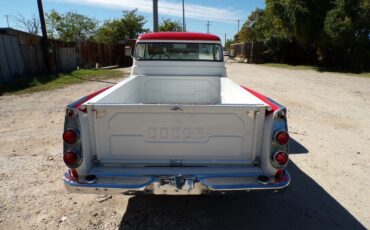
21,54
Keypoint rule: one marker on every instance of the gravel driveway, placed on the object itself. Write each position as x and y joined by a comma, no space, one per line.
329,120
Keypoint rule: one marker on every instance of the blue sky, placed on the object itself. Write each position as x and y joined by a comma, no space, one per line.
223,15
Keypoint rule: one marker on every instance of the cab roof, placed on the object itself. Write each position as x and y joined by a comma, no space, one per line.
179,36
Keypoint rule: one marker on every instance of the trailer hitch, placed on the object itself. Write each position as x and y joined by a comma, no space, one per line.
181,182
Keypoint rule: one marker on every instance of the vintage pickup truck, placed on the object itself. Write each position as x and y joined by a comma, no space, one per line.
176,126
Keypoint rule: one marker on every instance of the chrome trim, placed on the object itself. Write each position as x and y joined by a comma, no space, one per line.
153,186
73,123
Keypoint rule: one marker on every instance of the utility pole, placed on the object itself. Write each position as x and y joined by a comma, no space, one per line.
7,20
208,24
225,39
155,15
238,25
183,17
44,36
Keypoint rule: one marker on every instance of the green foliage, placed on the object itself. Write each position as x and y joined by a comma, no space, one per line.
228,43
52,20
329,33
128,27
168,25
314,68
71,26
23,84
252,27
347,26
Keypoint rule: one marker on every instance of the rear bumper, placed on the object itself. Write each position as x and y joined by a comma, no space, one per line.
176,185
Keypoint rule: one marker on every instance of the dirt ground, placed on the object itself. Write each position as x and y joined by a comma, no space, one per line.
329,120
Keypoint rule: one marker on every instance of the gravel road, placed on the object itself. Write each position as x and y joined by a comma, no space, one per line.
329,120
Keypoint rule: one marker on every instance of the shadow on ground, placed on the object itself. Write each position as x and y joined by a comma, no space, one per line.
304,205
296,148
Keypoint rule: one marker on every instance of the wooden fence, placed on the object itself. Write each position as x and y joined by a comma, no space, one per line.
21,55
10,58
250,52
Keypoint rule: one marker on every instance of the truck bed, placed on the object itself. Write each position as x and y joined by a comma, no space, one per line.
187,121
190,90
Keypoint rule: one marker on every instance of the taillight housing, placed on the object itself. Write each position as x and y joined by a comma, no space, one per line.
71,159
70,112
70,136
282,137
280,159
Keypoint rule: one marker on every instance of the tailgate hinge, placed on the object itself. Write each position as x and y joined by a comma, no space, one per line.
99,113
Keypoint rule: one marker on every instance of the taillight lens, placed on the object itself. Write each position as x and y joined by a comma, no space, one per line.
281,158
282,137
70,136
279,173
71,159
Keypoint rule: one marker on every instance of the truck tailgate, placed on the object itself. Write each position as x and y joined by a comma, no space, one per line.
176,134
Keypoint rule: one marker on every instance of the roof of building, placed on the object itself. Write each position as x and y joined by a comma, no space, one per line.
179,36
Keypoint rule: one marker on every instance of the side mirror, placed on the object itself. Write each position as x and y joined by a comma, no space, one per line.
128,51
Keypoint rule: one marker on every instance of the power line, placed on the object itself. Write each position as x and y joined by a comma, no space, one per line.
208,25
173,7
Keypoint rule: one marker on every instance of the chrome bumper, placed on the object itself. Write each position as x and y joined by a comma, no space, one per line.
176,185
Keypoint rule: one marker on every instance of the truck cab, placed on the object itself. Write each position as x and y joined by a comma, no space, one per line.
177,126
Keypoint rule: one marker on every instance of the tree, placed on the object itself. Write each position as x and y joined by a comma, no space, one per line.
228,43
330,33
347,26
248,31
130,26
31,25
52,21
71,26
168,25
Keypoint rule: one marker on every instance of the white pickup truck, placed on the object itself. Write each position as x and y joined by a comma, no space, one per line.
176,126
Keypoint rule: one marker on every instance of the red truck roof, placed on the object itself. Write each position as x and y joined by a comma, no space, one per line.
179,36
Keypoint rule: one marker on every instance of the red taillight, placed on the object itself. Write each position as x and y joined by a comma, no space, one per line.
73,174
71,158
282,138
70,136
281,158
279,173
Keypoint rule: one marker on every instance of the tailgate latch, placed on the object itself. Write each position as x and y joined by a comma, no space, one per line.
176,163
176,108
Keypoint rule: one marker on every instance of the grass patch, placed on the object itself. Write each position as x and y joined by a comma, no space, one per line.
360,74
292,67
315,68
49,82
